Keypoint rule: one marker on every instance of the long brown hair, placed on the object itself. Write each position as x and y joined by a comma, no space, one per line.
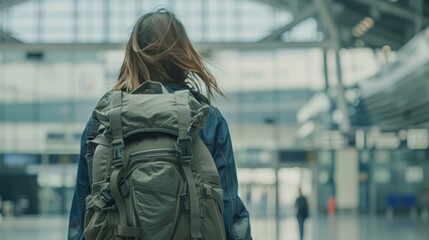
159,50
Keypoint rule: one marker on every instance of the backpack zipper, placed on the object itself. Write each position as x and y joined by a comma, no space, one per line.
151,153
155,153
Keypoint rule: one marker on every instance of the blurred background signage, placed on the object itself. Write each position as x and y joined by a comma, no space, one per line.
412,139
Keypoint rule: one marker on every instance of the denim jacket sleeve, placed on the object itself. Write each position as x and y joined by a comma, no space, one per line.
82,189
216,136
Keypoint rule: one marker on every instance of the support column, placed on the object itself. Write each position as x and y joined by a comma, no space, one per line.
347,179
277,193
332,31
341,98
325,70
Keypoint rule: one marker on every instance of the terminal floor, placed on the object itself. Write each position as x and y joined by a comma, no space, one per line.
340,227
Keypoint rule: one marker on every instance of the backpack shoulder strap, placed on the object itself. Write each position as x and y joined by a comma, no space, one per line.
199,97
184,143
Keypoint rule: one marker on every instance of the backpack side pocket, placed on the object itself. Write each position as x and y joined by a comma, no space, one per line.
213,225
96,224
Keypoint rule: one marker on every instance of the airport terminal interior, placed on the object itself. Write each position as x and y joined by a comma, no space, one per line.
330,96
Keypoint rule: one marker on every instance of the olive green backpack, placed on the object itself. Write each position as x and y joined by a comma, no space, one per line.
152,176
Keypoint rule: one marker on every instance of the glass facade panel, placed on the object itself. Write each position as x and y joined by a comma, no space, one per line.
110,21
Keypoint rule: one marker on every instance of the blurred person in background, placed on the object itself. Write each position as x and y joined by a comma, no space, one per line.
301,206
159,50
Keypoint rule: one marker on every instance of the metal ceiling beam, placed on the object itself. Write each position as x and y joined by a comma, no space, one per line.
295,4
418,19
10,3
327,19
198,46
385,36
6,37
352,18
380,41
392,9
299,17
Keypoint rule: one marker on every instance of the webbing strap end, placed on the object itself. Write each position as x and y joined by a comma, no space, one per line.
185,149
117,147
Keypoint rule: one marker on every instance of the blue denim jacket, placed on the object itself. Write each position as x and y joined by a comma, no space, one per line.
215,135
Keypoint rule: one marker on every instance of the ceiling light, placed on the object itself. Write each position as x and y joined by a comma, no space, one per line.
386,49
362,27
357,32
368,22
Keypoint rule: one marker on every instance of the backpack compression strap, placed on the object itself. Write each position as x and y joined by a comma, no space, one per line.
184,143
117,162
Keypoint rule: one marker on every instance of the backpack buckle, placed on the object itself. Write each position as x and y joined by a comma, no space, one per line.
185,149
106,196
117,152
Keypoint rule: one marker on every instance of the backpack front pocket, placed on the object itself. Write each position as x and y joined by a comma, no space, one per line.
155,194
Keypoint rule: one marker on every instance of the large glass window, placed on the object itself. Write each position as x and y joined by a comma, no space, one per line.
110,21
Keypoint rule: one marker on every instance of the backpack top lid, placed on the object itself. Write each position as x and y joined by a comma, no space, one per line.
150,108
